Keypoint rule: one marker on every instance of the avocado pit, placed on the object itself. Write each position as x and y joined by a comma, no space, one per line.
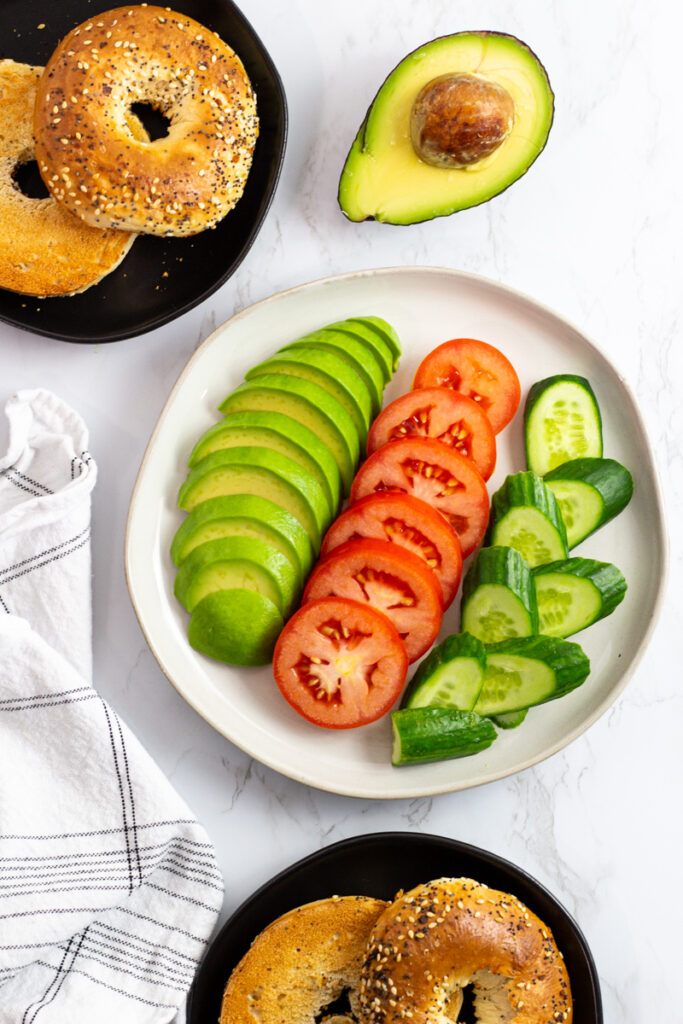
458,119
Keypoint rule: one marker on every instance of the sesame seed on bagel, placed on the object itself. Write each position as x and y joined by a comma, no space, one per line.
44,249
110,175
440,937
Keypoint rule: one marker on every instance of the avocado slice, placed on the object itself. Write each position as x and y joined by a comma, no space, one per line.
264,473
374,343
237,563
385,331
353,351
384,179
244,515
238,627
281,434
329,372
309,404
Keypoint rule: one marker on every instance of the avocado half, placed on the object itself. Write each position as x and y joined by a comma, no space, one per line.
384,179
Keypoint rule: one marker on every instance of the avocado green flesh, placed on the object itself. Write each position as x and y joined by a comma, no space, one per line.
217,529
260,472
225,435
275,393
383,177
373,341
338,387
354,352
386,332
236,626
237,563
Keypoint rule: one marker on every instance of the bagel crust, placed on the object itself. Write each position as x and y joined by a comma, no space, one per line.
106,173
44,249
438,938
301,963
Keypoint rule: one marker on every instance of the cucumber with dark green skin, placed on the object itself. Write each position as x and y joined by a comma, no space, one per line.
526,671
437,734
526,516
589,492
509,719
498,596
451,676
561,422
575,593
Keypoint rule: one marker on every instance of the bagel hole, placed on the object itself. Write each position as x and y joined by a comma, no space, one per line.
340,1005
153,121
467,1013
27,179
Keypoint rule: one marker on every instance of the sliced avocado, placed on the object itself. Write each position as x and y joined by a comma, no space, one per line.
309,404
281,434
386,332
329,372
264,473
353,351
244,515
238,627
374,343
237,563
385,179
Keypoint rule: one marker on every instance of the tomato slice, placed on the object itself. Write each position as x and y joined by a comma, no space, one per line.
409,522
427,469
392,580
444,414
340,663
477,370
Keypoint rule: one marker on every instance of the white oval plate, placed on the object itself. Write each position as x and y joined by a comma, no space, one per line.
427,306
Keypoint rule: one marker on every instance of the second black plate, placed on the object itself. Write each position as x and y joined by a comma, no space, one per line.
378,865
160,278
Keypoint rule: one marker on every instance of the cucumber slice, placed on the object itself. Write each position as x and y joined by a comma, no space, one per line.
526,516
589,492
509,720
573,594
450,677
561,422
386,332
498,597
527,671
436,734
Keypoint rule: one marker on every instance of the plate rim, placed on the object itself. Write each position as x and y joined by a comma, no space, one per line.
399,837
277,159
409,792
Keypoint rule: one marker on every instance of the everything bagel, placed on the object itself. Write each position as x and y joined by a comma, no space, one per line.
93,163
438,938
44,250
301,963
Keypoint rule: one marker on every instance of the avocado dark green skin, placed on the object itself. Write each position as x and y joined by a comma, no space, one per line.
359,140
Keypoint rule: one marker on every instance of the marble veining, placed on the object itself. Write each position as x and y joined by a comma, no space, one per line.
592,230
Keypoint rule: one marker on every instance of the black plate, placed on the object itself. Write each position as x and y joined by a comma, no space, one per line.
137,297
378,865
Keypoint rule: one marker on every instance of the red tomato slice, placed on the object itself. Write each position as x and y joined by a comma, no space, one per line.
408,522
476,370
447,416
340,663
427,469
392,580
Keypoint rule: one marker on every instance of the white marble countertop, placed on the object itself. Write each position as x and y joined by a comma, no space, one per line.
593,230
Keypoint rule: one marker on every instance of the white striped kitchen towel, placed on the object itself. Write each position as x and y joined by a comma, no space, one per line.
109,888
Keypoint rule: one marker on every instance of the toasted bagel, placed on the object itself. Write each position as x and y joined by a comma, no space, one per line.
452,932
301,963
44,249
92,162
